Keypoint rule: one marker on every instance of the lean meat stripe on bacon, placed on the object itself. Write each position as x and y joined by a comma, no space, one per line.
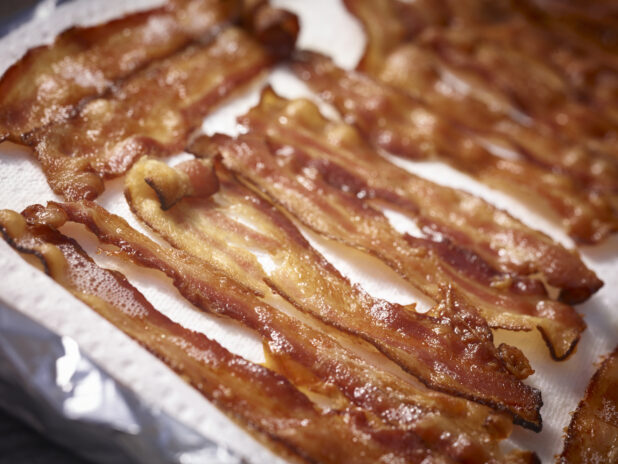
395,121
262,401
315,190
154,110
48,83
215,229
399,415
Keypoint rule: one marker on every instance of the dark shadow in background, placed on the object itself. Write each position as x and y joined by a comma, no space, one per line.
13,13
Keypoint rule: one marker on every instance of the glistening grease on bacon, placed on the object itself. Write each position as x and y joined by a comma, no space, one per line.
441,350
311,189
403,417
592,436
48,83
395,121
262,401
442,213
155,110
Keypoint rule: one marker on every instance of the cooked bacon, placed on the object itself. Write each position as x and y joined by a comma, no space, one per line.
526,84
483,25
214,229
482,34
473,73
388,23
152,112
593,78
546,96
452,428
317,192
190,179
262,401
49,81
402,125
440,213
592,436
396,399
422,74
591,27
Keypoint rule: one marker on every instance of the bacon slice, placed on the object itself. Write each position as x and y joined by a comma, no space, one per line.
472,73
473,31
440,213
541,93
388,23
481,36
547,97
591,26
49,81
592,436
315,191
395,400
152,112
264,402
215,230
393,120
590,75
421,73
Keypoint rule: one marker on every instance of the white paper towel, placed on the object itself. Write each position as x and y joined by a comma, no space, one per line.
326,27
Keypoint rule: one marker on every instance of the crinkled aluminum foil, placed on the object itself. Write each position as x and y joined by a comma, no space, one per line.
47,381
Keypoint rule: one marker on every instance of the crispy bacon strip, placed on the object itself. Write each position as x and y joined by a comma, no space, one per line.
441,213
316,193
264,402
49,81
214,229
152,112
487,31
592,436
290,341
563,105
405,127
419,422
592,78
